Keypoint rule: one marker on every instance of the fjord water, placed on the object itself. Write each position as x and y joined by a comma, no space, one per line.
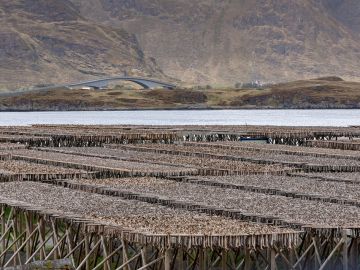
187,117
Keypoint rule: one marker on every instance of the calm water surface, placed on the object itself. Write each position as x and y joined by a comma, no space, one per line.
188,117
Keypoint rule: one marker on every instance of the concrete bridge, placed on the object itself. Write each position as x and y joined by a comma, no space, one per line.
99,83
143,82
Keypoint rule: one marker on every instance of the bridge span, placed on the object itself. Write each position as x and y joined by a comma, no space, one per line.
146,83
143,82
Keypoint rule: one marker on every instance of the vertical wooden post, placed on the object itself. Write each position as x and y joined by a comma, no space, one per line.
181,258
224,260
143,256
3,227
345,250
205,258
202,259
16,233
87,251
273,259
107,265
70,243
317,259
248,262
125,255
28,231
57,252
354,254
292,255
168,259
110,246
42,238
32,227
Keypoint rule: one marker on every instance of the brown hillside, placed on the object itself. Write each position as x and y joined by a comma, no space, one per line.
224,42
46,42
317,93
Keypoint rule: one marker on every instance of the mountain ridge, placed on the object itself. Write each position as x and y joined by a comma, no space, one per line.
44,42
222,42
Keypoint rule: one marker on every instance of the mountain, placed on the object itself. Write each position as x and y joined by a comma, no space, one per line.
346,12
229,41
49,41
218,42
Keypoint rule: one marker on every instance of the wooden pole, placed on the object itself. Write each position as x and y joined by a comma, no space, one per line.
181,258
125,255
13,244
317,259
151,263
345,250
74,249
107,258
143,257
354,254
87,252
3,229
22,245
16,232
57,253
331,254
41,247
87,257
248,262
53,250
42,238
273,259
202,265
224,260
106,255
303,255
168,259
126,264
28,229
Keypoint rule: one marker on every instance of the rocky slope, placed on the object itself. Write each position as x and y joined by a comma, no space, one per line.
45,42
200,42
347,12
228,41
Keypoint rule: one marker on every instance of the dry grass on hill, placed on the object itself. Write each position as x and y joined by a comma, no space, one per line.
331,92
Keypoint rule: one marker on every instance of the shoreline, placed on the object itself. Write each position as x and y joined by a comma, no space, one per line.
187,109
